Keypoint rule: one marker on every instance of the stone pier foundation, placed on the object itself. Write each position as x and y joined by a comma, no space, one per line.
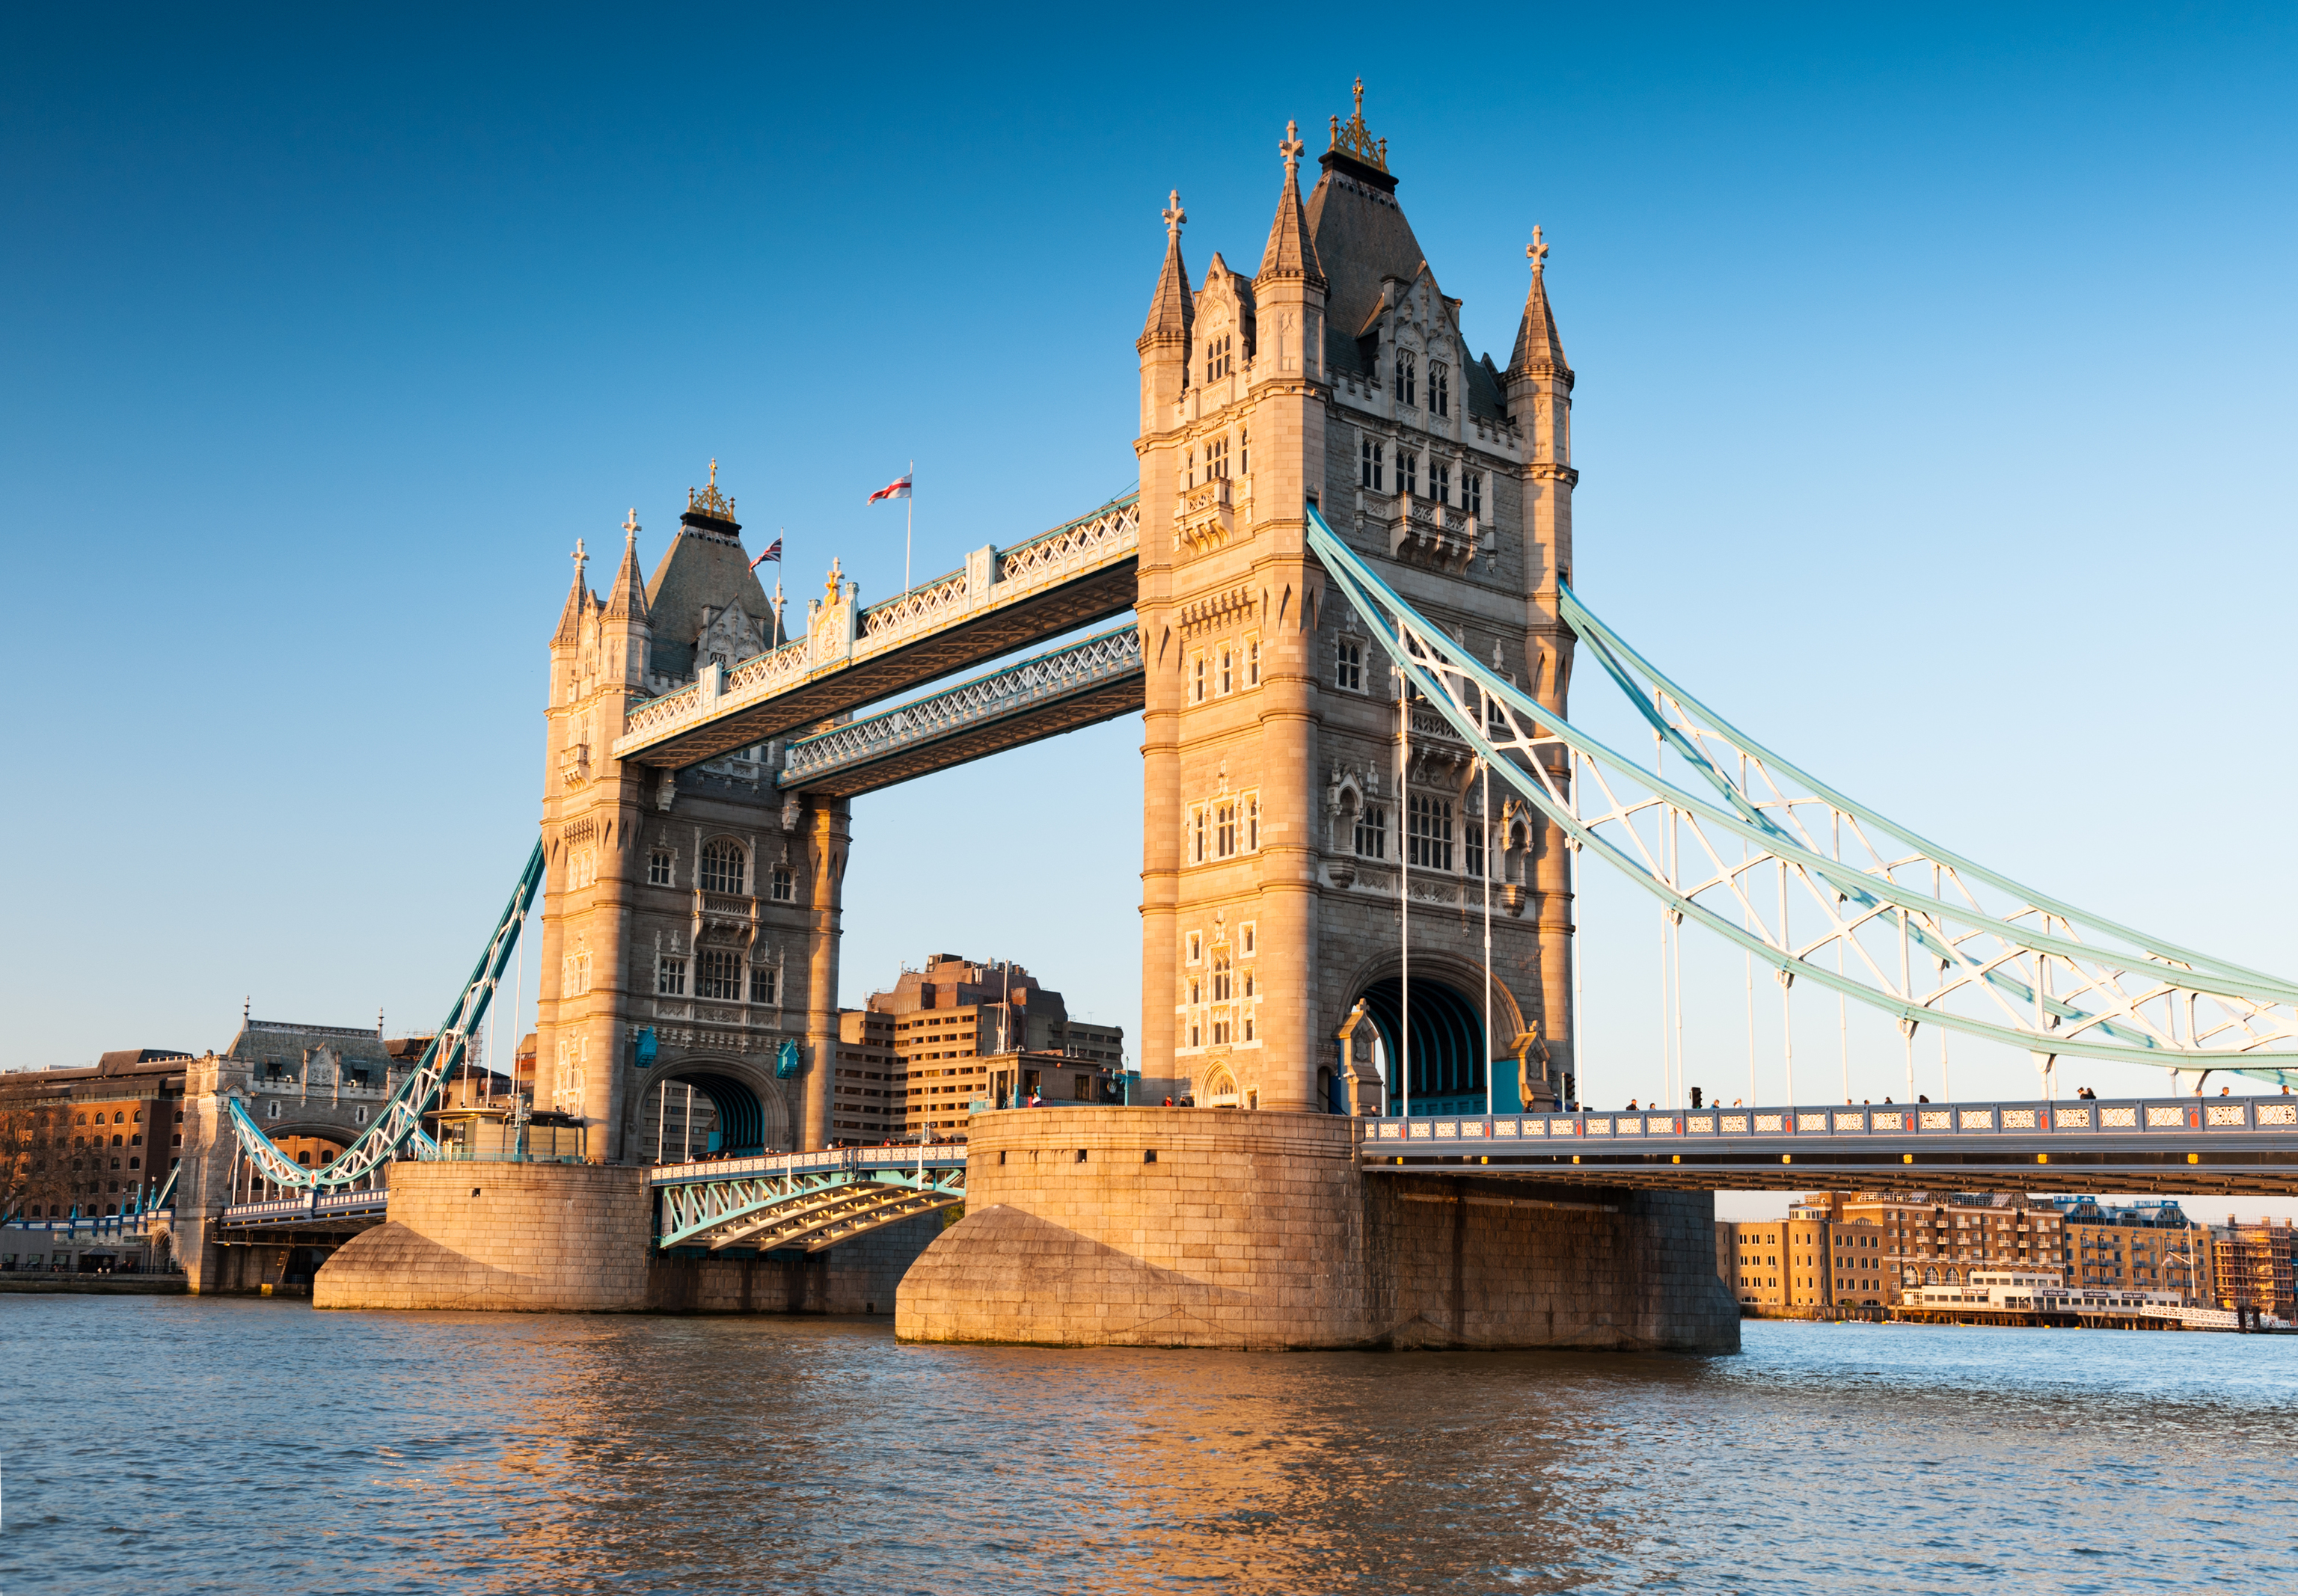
577,1238
1151,1227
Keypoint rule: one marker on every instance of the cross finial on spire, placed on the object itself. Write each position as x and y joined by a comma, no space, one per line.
836,574
1361,99
714,471
579,557
1536,252
1291,148
630,526
1175,215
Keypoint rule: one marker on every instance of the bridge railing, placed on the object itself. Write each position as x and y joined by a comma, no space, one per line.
2087,1118
941,1155
310,1204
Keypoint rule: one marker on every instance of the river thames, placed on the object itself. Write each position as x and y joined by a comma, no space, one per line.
183,1445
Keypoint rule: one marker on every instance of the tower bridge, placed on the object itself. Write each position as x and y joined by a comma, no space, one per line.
1347,566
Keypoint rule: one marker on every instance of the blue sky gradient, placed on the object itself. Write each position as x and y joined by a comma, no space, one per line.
1933,411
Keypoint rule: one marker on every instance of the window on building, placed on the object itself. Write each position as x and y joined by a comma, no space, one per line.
1198,838
725,867
1252,662
581,868
1198,679
1473,843
720,975
1224,830
1440,389
1196,946
1431,826
1222,981
1217,459
1251,823
1348,668
1408,471
670,976
765,984
1440,481
1244,452
1472,492
1369,464
1189,468
1220,1033
1227,680
1221,357
1250,937
781,883
1407,378
659,868
1372,832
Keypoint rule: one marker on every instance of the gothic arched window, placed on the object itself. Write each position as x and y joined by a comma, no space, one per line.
1440,389
726,868
1406,378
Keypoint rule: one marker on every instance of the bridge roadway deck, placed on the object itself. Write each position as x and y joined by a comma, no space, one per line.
2171,1146
1078,575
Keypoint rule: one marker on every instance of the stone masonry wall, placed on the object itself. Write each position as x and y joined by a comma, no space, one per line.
577,1238
1259,1230
530,1238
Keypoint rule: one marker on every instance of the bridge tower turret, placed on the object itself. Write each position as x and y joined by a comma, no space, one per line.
1280,822
689,923
1540,405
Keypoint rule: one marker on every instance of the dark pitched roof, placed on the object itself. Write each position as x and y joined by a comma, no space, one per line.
1173,309
705,568
570,615
626,600
286,1040
1359,235
1290,251
1538,344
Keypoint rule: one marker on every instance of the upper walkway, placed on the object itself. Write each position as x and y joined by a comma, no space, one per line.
1077,574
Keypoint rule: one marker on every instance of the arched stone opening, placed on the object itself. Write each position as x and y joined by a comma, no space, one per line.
1452,1050
700,1107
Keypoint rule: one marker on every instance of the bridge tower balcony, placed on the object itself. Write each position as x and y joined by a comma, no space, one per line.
1204,517
1431,532
724,912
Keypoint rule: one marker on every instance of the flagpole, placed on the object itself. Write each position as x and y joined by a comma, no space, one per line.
909,512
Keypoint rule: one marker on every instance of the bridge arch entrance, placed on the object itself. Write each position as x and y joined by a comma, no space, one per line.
698,1107
1450,1055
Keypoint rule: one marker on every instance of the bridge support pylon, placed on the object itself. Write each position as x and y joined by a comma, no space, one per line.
1208,1227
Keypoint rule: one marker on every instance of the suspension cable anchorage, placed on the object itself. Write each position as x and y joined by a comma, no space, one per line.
2253,1017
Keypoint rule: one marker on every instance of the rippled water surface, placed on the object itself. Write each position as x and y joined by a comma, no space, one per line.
177,1445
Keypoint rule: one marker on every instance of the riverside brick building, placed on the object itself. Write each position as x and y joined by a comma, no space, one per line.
1841,1249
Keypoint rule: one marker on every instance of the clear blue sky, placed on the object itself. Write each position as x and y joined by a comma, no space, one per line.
1934,410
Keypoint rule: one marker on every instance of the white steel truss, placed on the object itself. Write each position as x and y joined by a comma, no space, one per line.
802,1208
1825,889
1057,674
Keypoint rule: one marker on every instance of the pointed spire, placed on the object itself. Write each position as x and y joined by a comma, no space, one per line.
1291,252
578,599
1539,346
1173,310
626,600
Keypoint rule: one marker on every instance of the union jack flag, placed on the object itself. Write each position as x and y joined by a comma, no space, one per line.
773,553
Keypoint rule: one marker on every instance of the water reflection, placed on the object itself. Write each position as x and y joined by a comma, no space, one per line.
229,1445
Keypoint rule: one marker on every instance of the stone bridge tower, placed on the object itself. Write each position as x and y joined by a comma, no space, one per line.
1282,815
691,918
